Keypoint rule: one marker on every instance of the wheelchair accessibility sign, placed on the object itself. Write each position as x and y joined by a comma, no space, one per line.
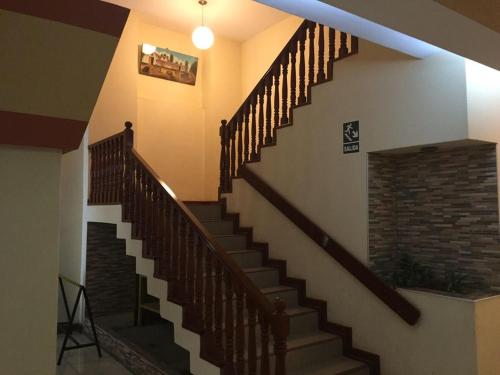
351,137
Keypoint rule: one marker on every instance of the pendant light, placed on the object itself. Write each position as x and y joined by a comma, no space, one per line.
203,37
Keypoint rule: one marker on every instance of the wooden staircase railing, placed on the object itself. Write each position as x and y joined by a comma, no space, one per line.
255,123
216,295
305,61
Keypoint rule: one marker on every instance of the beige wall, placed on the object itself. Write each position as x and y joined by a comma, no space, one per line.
50,68
442,343
176,125
488,336
396,110
29,229
258,52
73,230
395,99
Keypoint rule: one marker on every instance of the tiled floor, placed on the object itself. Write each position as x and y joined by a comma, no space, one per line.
87,362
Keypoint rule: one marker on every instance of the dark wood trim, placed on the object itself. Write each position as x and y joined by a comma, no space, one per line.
396,302
200,202
24,129
93,15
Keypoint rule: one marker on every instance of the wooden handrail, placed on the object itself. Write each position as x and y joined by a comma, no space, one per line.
409,313
260,300
285,85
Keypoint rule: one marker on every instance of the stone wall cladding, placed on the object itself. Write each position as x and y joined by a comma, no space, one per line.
446,211
111,273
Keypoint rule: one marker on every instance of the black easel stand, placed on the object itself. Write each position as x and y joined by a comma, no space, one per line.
81,291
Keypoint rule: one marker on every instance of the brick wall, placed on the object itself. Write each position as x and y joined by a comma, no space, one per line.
111,274
441,207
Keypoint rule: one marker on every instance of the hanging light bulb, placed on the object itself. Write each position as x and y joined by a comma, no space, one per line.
202,36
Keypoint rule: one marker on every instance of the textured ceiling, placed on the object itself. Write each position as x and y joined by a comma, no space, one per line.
233,19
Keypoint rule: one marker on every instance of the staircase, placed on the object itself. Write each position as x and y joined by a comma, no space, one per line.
248,317
310,350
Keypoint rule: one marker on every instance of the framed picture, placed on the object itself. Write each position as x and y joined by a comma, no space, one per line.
164,63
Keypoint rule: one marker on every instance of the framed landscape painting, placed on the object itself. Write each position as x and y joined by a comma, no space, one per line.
164,63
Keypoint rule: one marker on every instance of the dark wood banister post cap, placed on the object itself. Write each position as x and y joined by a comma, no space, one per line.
128,125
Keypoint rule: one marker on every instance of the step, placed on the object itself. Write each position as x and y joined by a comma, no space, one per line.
206,211
287,294
232,241
337,366
307,351
263,277
247,258
217,227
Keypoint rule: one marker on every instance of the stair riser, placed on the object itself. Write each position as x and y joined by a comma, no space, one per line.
219,227
233,242
264,279
290,297
248,260
206,212
308,355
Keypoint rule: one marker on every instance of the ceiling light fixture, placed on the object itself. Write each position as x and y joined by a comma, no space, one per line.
202,36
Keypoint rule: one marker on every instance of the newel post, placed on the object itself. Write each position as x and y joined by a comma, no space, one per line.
280,329
127,175
223,161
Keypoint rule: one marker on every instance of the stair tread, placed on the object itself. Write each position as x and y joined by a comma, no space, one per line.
276,289
246,251
316,337
338,366
258,269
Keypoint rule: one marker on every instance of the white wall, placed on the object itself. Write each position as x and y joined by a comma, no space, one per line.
400,102
29,229
73,231
442,343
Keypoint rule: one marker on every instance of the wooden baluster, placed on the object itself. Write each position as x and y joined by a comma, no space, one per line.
135,209
344,51
277,72
198,297
280,328
189,318
253,105
232,130
246,116
354,44
240,141
269,86
312,27
181,285
293,76
240,330
229,325
284,87
116,184
218,303
261,115
227,171
160,240
174,262
98,170
128,141
111,166
146,228
91,198
252,340
104,174
321,55
302,66
222,164
209,301
140,205
264,342
331,51
167,232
